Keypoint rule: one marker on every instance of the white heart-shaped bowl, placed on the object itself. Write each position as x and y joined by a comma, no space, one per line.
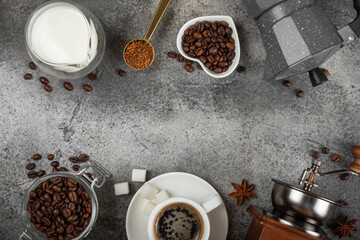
231,23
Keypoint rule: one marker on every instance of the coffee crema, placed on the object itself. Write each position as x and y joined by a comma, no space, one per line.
178,221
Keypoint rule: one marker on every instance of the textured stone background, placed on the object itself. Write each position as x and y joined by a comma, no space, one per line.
164,119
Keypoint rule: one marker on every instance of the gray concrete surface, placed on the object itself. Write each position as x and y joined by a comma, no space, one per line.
164,119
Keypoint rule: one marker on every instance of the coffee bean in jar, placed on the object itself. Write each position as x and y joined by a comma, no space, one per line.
60,207
211,43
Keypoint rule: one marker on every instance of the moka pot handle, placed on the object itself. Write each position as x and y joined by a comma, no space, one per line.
317,77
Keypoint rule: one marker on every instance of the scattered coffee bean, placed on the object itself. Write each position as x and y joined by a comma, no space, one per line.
315,155
30,166
287,83
187,61
54,164
326,72
87,88
32,65
180,58
189,68
36,157
44,80
73,159
344,176
48,88
40,173
62,211
76,168
68,86
300,93
92,76
336,158
345,204
172,54
31,174
55,169
28,76
241,69
198,66
122,73
83,158
325,150
64,169
50,157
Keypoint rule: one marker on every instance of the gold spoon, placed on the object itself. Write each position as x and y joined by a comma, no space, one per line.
145,42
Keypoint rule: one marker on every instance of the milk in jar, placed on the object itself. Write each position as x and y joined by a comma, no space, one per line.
63,37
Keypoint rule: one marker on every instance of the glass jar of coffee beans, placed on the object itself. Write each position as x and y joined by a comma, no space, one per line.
63,205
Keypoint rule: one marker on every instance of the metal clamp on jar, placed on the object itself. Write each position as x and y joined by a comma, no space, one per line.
90,176
298,213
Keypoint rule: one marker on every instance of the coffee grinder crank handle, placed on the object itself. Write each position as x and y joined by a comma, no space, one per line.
354,168
308,175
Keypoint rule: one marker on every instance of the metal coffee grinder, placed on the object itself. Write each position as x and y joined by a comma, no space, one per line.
298,36
298,213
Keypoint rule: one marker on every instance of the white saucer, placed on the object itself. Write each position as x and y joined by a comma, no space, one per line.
177,184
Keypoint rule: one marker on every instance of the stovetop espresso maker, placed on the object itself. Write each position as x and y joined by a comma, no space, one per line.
298,213
298,36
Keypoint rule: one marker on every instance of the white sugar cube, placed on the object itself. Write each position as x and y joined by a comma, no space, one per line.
162,196
139,175
148,191
148,208
122,188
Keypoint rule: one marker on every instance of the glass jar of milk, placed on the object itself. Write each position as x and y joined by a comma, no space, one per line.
65,39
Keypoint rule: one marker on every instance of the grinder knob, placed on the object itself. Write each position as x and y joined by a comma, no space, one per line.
355,166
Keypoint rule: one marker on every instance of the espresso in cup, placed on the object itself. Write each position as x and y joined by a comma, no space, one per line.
178,221
180,218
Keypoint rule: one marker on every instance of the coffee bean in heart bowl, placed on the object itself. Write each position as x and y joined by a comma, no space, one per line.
213,42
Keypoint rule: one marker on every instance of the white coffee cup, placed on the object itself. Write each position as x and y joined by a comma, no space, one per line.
202,208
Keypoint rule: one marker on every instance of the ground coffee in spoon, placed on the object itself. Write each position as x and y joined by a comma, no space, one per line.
139,54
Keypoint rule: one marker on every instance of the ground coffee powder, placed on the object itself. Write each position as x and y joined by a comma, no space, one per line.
139,54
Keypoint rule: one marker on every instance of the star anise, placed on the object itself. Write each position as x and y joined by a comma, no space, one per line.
242,192
345,228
